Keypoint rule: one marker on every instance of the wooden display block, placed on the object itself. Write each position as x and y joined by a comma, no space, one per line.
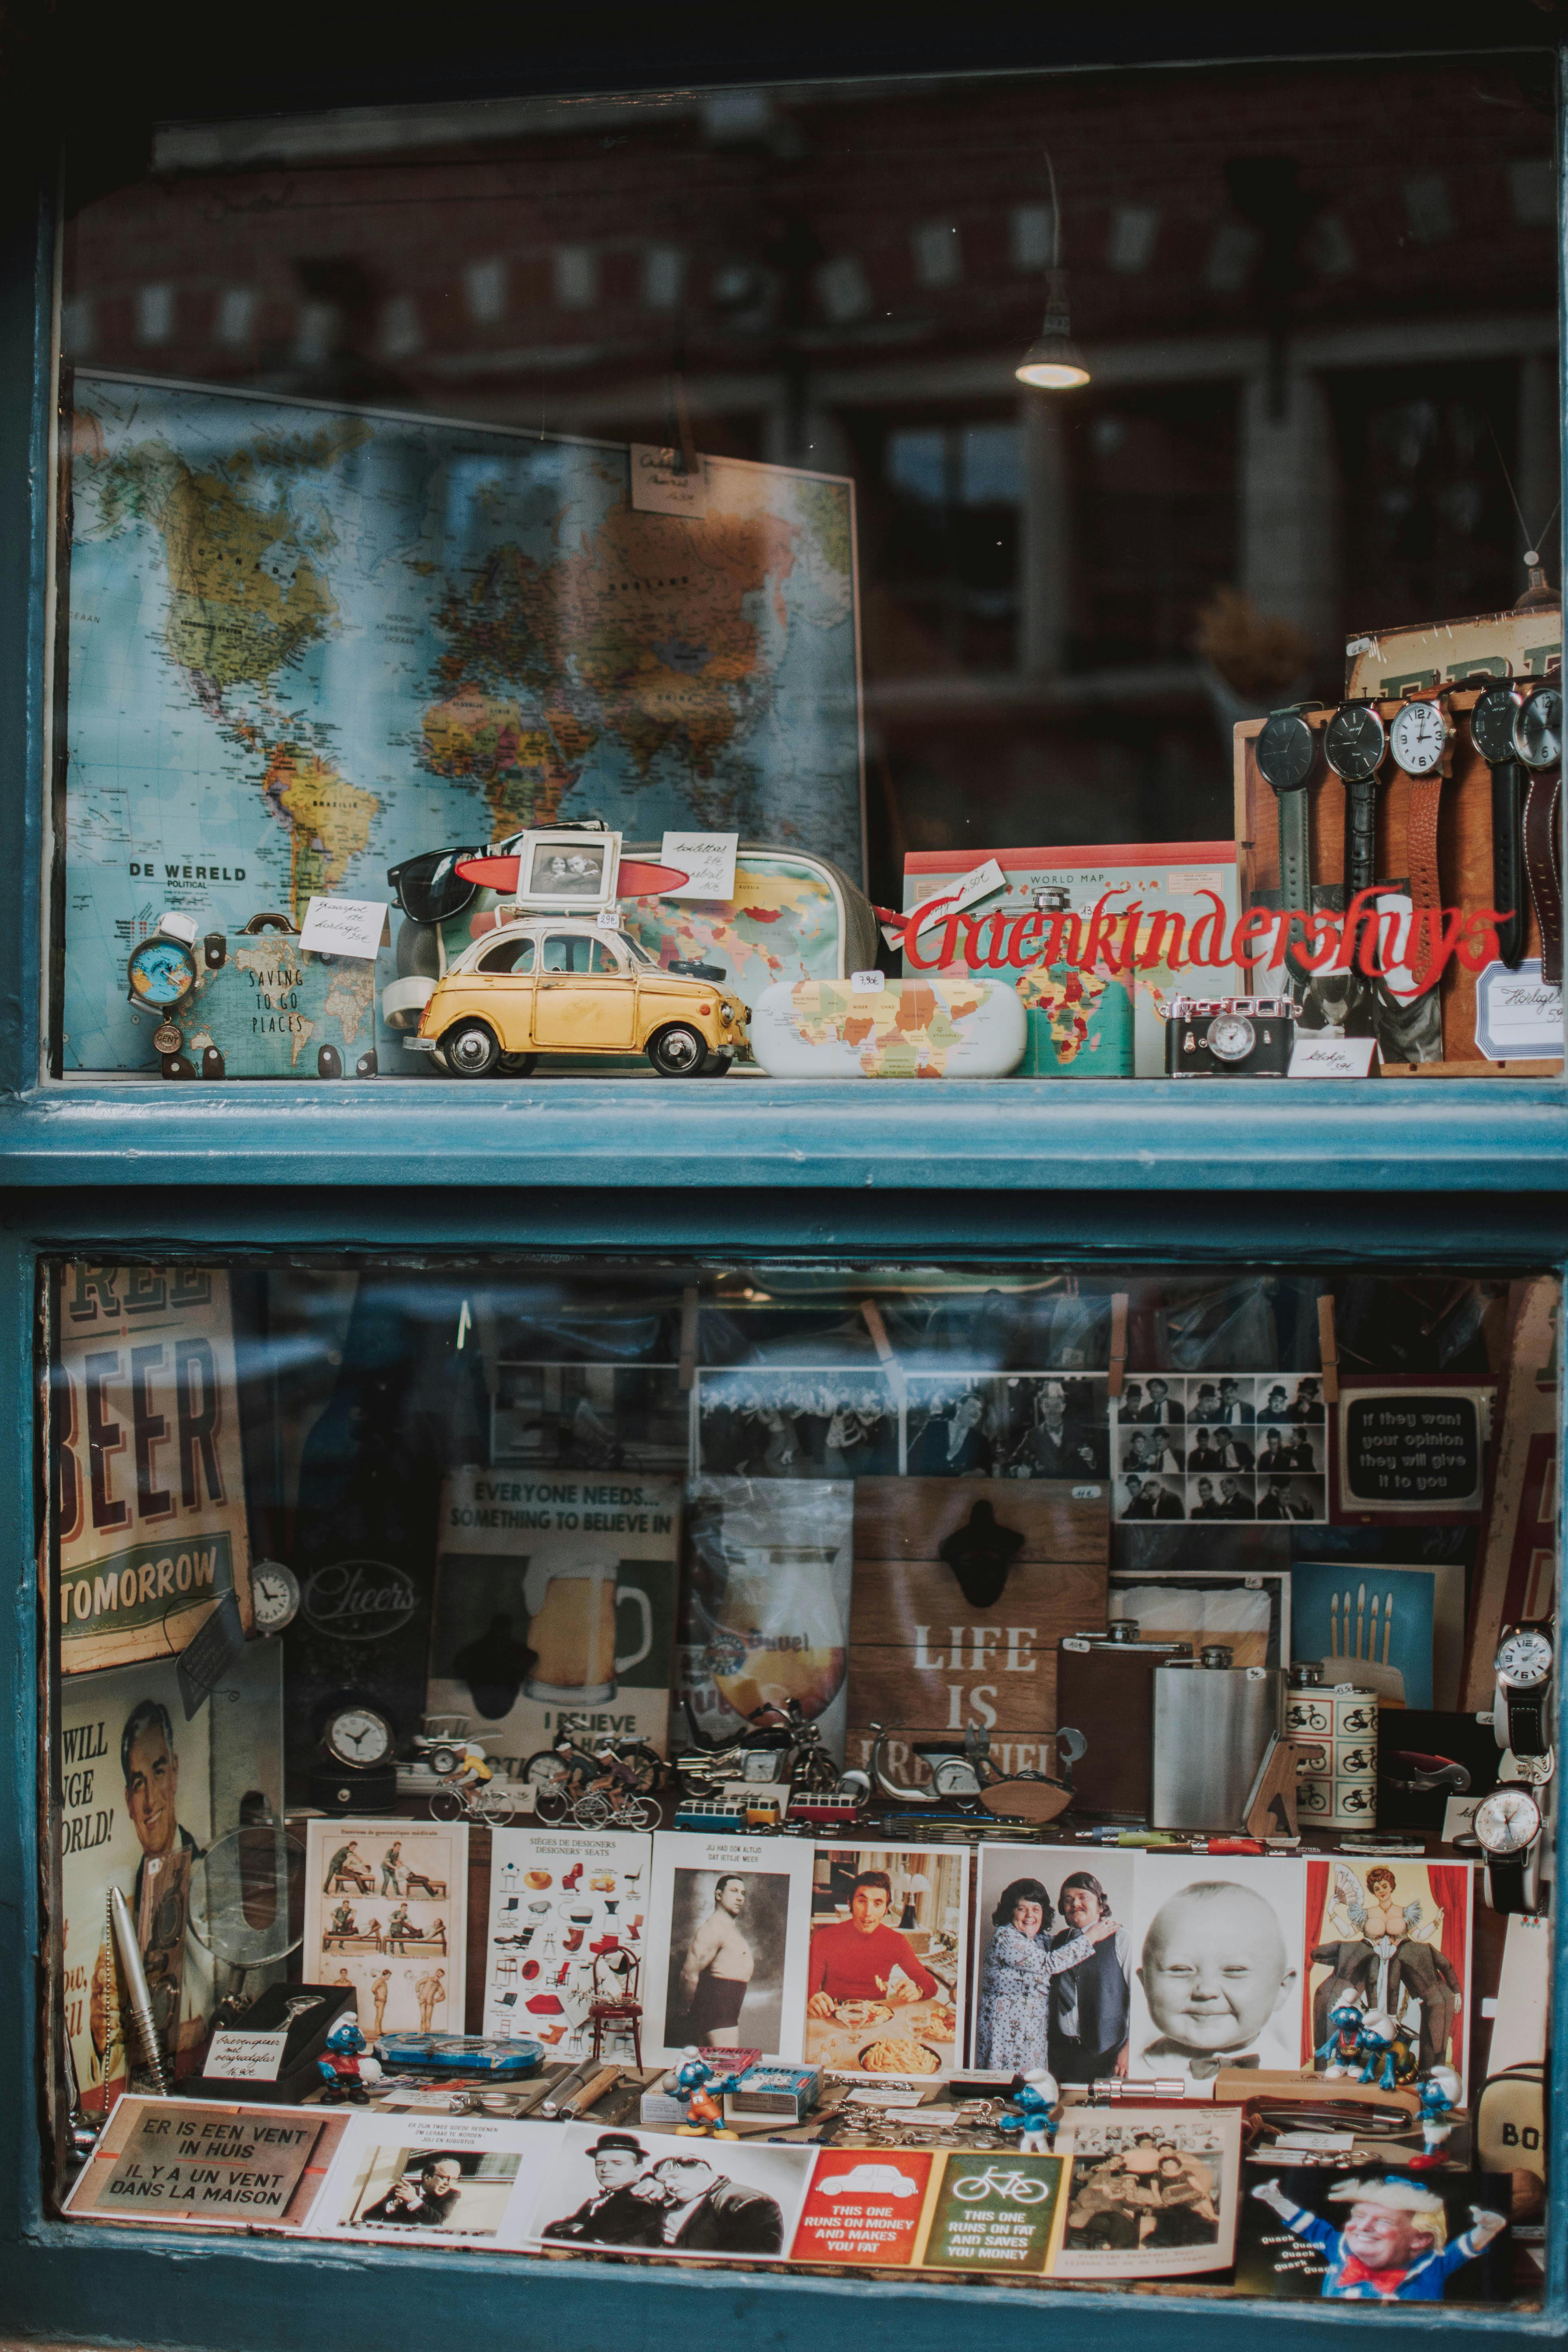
925,1659
1464,858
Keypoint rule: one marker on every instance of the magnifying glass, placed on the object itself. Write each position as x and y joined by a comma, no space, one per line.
247,1894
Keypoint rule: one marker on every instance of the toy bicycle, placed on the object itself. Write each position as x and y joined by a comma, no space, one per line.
594,1789
471,1791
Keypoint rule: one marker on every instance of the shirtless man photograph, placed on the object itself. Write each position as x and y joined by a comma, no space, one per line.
715,1973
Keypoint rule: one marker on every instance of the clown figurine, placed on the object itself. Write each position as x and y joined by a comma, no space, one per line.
1342,2047
1439,2093
1374,2043
346,2071
704,2116
1030,2101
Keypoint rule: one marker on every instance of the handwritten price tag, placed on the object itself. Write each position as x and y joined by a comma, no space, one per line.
346,927
237,2057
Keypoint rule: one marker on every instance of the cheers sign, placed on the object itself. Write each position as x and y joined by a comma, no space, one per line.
1367,938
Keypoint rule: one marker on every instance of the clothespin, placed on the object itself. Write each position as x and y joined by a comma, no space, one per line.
1329,1343
1118,1341
880,1341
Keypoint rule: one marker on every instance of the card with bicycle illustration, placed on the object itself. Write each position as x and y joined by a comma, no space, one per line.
386,1914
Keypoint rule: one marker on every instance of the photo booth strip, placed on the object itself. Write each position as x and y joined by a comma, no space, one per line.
1220,1448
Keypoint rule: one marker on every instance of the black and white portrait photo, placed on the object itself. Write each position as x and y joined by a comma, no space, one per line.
654,2193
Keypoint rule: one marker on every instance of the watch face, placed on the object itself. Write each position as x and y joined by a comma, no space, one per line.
274,1595
1524,1659
1538,730
1508,1821
1491,726
1231,1036
161,974
1419,736
357,1735
1286,752
1355,742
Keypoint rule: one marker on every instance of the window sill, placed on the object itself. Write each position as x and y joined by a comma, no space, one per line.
1005,1135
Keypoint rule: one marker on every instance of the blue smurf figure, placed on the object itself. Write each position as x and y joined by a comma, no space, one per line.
1030,2112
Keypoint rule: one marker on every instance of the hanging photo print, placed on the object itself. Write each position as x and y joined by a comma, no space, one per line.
1220,1446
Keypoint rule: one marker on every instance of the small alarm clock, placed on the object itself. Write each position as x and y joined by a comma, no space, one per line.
359,1772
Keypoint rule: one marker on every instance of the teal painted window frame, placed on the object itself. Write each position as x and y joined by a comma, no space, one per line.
1463,1173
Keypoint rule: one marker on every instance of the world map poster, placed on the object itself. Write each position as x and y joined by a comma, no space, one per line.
306,643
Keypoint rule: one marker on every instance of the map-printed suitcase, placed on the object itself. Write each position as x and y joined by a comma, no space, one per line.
264,1007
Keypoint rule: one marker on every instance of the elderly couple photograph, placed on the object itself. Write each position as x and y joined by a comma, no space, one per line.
1054,1983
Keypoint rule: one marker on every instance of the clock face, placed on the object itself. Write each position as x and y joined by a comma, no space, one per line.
358,1735
1355,742
1538,730
1286,752
274,1595
1508,1821
1231,1036
1491,726
1419,736
162,973
1525,1659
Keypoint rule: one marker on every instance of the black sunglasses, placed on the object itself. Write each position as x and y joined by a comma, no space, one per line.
429,888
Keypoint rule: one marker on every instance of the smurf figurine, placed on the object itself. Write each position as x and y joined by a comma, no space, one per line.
1031,2099
1375,2044
346,2070
704,2116
1342,2048
1439,2091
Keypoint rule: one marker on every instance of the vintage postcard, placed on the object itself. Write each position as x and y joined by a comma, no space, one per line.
1153,2192
729,1926
1391,1939
1222,1448
1373,2235
651,2193
1217,1969
414,2180
386,1905
885,1980
568,1908
1053,1973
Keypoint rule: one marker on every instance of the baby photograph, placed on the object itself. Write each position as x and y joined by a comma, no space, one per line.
1217,1975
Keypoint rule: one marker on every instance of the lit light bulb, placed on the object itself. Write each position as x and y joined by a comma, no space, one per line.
1053,362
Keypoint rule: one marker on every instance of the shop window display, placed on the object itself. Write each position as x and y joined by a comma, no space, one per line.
952,1772
961,578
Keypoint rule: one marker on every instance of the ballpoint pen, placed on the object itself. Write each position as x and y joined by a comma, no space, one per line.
137,1994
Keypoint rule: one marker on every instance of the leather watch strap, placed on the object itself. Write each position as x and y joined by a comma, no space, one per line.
1505,1881
1421,840
1295,852
1361,859
1526,1724
1508,860
1542,871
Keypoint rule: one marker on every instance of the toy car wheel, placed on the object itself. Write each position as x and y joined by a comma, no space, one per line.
677,1052
720,1066
471,1050
518,1065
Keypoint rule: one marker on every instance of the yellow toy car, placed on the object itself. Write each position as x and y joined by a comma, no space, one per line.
549,985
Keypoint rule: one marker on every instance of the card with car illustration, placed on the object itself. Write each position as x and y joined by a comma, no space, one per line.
387,1913
884,1981
567,1913
729,1926
419,2180
652,2193
1151,2192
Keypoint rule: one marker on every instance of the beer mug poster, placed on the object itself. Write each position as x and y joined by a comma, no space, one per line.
554,1609
386,1914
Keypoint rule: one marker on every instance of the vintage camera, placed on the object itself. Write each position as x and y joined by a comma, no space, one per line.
1229,1038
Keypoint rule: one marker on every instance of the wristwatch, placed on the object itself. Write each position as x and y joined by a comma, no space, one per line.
1523,1662
1508,1830
1355,744
161,971
1287,753
1491,733
1421,738
1538,745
